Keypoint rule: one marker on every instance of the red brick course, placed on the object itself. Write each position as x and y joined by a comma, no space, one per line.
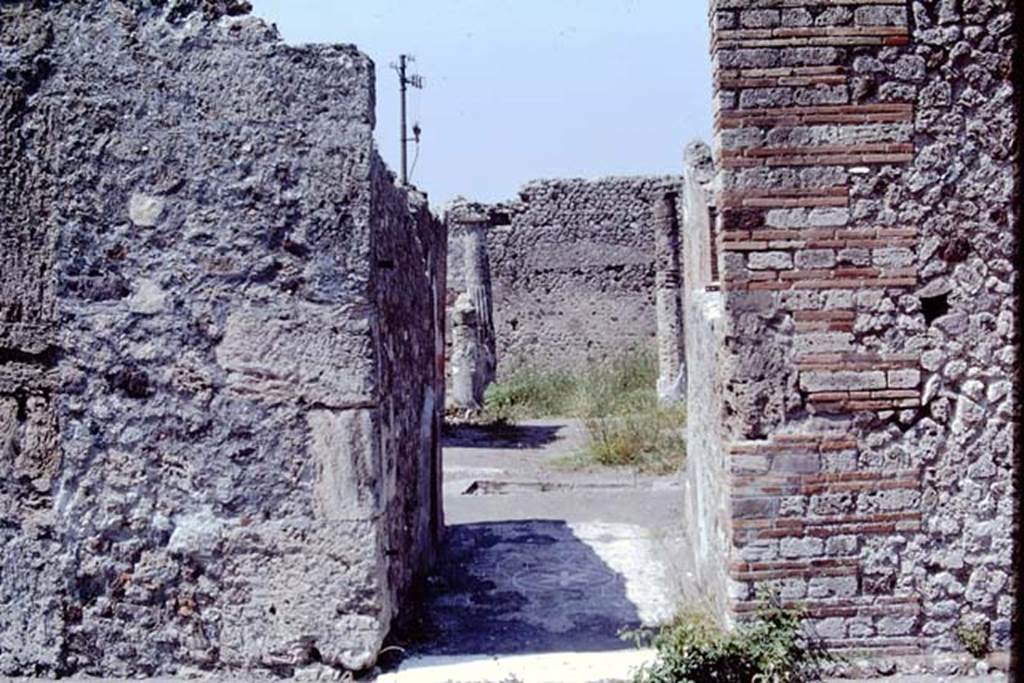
786,244
803,116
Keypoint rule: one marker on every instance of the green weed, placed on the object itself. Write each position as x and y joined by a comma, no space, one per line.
617,401
769,649
975,638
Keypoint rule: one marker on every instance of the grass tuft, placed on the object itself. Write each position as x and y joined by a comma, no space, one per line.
618,403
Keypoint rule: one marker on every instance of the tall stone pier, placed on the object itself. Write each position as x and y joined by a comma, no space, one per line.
474,360
863,320
219,376
668,297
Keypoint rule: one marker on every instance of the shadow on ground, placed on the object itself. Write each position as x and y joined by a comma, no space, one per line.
519,587
500,435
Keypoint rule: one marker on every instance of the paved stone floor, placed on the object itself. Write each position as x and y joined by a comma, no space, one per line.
543,567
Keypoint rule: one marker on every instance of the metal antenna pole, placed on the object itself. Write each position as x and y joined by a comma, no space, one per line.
405,81
405,154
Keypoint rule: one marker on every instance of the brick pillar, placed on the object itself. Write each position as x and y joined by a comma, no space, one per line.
669,305
864,362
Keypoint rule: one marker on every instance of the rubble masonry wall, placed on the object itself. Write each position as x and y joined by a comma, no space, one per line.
865,232
572,266
216,434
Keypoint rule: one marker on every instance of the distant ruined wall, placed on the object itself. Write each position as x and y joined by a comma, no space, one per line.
218,347
573,271
866,244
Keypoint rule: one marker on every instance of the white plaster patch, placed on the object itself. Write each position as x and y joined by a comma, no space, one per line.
334,368
196,534
643,560
348,476
145,210
556,667
148,299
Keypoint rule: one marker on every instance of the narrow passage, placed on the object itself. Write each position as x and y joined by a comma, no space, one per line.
544,560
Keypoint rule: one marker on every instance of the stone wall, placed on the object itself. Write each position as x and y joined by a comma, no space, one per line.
865,233
218,346
572,263
411,396
705,476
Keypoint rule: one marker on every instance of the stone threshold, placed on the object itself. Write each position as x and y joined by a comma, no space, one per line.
558,667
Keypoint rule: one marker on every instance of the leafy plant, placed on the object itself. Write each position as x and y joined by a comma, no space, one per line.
975,638
769,649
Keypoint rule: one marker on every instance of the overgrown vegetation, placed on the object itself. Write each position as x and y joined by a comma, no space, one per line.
649,437
618,403
531,394
975,638
769,649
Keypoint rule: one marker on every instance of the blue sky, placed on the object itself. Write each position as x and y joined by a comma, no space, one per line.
524,89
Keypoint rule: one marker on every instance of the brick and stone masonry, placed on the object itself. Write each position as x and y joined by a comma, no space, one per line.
572,263
221,350
860,293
